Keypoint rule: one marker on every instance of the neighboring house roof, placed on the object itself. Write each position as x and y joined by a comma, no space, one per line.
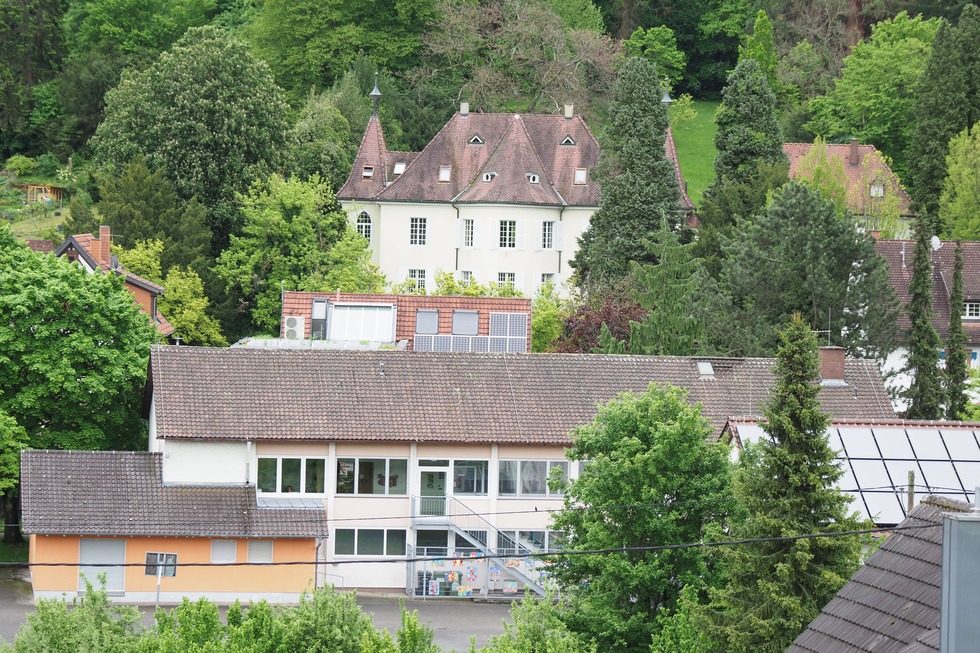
94,252
40,246
491,158
899,254
296,303
877,456
863,165
309,394
122,493
891,604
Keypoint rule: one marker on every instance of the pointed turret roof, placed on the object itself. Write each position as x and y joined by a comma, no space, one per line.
369,176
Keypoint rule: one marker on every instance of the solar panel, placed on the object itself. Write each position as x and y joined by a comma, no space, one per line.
871,474
885,508
894,444
859,443
961,444
939,475
969,474
927,444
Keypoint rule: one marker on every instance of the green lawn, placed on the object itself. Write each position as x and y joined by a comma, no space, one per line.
695,141
13,552
34,227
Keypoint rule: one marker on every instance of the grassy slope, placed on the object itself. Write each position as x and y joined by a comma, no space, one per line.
695,141
26,227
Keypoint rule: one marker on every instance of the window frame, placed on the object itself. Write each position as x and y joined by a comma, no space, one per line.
364,225
581,176
385,541
971,310
254,553
429,314
166,560
546,277
548,234
507,279
445,174
465,317
218,559
417,231
418,276
367,172
468,231
517,480
388,475
466,466
508,234
303,480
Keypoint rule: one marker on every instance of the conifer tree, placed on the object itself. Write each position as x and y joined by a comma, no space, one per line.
666,292
761,46
947,102
641,185
956,365
786,485
925,393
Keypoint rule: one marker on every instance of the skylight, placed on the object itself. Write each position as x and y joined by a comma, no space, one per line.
399,168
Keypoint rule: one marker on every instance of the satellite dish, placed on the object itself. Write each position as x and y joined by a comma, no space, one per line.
936,244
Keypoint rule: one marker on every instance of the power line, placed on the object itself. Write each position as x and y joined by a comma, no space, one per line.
489,556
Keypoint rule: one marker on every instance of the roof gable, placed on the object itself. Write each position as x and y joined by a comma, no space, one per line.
372,156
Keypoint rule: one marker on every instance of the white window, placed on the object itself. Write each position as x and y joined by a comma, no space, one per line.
476,140
466,276
372,476
368,172
548,234
445,173
547,277
508,233
522,542
399,168
529,477
224,552
418,276
416,234
568,140
467,232
465,323
318,325
282,475
470,477
971,310
426,321
364,225
877,190
581,176
165,563
370,541
506,278
260,550
372,322
533,178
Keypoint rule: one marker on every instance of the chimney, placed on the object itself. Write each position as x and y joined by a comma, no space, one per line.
832,366
102,251
959,629
569,111
855,159
464,109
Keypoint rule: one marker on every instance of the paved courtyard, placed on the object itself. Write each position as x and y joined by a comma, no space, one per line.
453,621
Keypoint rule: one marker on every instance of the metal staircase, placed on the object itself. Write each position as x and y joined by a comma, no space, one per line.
508,555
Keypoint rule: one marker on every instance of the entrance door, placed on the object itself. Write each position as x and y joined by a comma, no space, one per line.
432,492
94,553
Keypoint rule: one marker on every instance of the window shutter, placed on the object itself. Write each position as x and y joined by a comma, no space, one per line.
559,228
462,233
522,234
519,282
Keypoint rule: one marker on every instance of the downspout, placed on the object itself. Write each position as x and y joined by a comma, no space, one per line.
458,225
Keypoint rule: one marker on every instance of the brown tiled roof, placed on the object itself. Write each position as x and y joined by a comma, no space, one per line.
122,493
857,174
40,246
371,153
899,254
891,604
303,394
671,150
296,303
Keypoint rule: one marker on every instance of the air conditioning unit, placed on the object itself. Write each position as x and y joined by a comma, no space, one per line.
295,327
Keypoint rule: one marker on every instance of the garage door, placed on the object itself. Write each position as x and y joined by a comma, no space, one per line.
92,554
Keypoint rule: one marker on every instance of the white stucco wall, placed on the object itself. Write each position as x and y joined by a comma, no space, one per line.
204,463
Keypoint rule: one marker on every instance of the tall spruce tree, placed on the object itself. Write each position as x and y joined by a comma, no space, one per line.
761,46
641,184
666,291
786,484
925,394
947,102
956,365
750,159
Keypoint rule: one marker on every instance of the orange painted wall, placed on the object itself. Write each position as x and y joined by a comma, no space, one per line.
258,578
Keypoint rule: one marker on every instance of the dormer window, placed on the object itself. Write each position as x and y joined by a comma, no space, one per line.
488,177
445,173
568,140
476,140
971,310
533,178
581,176
399,168
877,190
368,172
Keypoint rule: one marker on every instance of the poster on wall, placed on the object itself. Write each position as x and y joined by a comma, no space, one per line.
494,574
510,587
471,574
434,587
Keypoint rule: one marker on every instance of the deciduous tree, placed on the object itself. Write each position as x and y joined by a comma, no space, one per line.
642,184
651,478
924,396
761,46
775,587
959,204
225,122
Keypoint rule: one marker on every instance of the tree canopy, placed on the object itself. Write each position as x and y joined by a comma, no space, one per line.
650,478
225,122
959,203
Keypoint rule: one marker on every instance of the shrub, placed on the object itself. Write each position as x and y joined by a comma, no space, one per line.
20,165
47,164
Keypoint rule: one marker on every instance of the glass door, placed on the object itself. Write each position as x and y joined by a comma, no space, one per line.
432,492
